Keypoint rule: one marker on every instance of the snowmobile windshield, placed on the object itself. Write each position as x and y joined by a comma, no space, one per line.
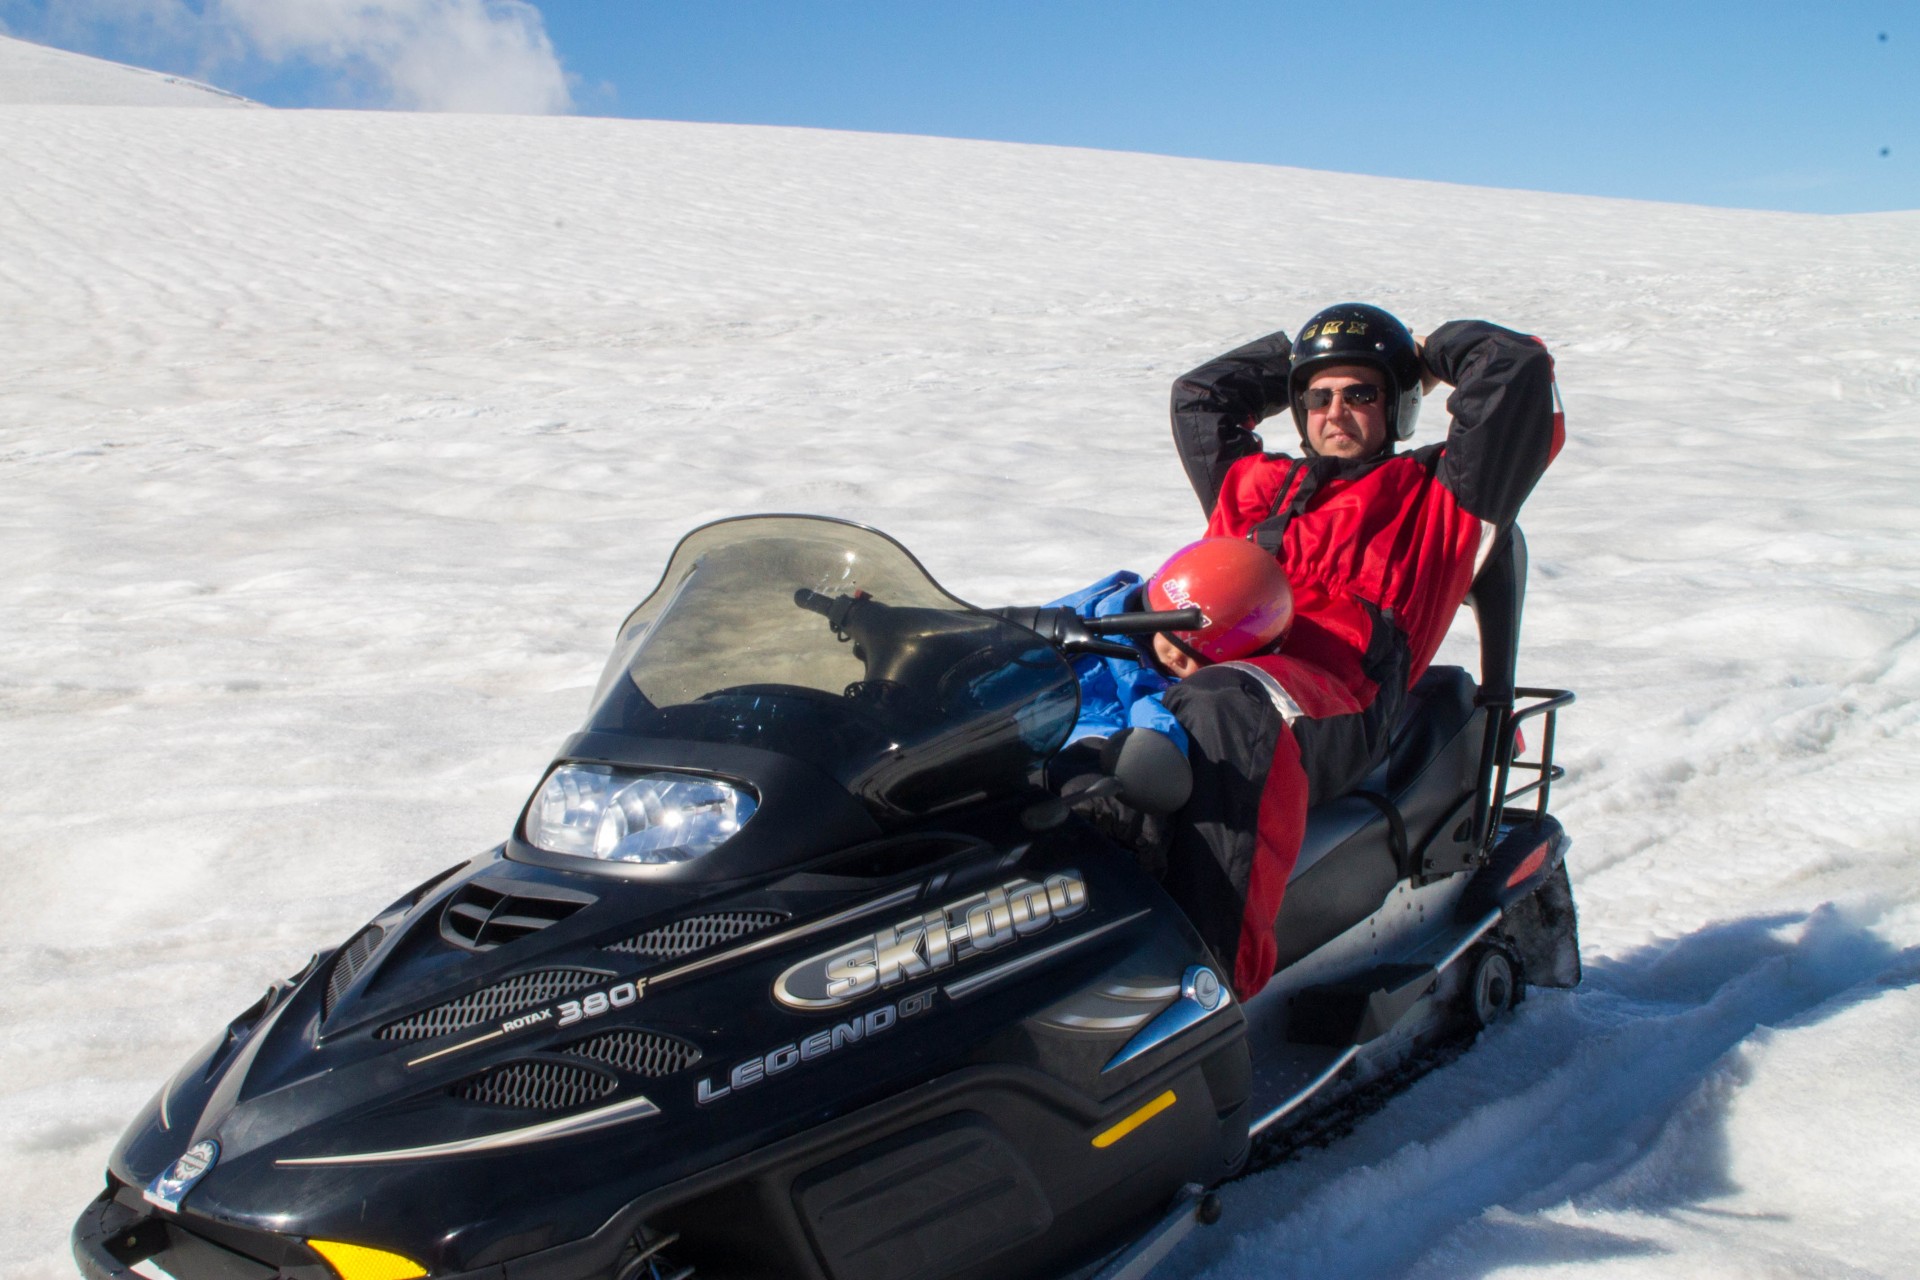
828,642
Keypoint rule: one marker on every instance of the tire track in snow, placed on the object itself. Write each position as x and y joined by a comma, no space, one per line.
1576,1088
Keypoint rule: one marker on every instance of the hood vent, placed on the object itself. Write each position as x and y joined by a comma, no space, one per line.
422,890
501,1000
481,915
536,1086
697,933
348,964
642,1053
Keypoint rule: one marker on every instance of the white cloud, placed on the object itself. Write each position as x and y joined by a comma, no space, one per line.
425,55
142,26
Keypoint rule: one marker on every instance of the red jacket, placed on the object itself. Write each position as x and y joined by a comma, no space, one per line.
1395,538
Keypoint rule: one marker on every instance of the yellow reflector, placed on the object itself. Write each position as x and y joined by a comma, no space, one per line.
1135,1120
357,1262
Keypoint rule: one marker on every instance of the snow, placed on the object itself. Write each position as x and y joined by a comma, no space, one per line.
34,74
333,446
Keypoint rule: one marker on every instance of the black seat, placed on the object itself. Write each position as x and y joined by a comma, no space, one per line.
1419,812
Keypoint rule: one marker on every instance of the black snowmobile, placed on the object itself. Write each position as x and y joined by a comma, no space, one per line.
793,968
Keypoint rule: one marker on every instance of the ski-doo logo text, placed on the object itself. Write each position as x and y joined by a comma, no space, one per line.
928,943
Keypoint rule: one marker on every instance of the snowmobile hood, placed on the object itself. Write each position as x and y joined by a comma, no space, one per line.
439,1058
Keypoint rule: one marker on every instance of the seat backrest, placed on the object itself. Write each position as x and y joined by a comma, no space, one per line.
1498,594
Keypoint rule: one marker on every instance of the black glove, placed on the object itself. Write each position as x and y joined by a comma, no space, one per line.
1147,836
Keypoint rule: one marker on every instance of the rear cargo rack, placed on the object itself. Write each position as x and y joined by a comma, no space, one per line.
1505,788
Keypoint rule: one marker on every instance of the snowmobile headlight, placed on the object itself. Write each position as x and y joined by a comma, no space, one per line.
593,811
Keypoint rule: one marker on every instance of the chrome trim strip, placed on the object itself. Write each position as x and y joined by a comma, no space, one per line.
1284,1109
1189,1011
464,1044
980,981
1479,932
568,1127
898,898
1280,1112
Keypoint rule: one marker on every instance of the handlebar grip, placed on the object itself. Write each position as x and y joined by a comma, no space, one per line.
813,601
1143,624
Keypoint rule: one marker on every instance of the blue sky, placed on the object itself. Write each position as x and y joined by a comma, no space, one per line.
1761,105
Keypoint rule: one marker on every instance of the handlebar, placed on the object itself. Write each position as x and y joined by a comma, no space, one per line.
1146,624
1070,633
833,608
1063,628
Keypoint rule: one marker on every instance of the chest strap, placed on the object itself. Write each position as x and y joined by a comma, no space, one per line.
1303,478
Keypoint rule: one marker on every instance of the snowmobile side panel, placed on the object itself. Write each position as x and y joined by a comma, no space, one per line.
1362,1008
1196,1207
897,1209
748,1219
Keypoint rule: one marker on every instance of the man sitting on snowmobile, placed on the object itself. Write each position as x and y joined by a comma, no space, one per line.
1380,547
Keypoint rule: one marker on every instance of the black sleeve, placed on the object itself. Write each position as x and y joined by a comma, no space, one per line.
1217,406
1503,432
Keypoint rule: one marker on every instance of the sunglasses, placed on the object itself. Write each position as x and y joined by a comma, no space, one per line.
1318,398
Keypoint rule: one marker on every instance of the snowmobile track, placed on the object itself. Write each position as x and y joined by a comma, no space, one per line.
1326,1125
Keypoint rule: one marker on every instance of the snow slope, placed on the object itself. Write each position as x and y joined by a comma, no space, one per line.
32,74
333,446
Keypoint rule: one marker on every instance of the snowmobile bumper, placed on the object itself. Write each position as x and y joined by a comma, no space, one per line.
109,1238
118,1237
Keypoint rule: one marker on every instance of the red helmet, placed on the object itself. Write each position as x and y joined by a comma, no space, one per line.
1239,589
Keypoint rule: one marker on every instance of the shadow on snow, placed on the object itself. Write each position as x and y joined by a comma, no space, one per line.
1613,1097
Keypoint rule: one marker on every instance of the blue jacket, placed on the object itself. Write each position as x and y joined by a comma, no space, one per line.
1118,693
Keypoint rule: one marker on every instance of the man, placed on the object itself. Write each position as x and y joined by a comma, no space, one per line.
1380,547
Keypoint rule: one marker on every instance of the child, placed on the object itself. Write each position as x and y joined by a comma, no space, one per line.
1243,596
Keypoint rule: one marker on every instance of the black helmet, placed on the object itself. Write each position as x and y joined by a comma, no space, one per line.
1356,333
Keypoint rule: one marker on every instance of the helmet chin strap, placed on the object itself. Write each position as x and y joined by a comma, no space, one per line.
1183,647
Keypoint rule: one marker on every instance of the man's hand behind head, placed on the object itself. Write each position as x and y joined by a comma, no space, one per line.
1427,379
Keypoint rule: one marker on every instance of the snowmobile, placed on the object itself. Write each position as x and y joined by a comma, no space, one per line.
794,967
